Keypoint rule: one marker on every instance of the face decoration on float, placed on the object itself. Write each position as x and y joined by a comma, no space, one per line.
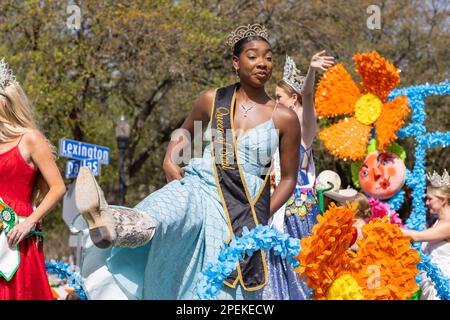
382,174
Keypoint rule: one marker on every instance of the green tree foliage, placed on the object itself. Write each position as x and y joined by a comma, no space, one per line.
149,60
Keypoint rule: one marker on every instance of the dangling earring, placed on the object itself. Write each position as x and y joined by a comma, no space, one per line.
237,72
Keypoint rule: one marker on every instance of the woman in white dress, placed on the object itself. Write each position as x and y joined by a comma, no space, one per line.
436,240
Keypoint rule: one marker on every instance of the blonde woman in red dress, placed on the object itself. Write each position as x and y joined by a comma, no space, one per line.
30,184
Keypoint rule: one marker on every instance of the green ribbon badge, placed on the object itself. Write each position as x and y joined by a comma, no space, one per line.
8,216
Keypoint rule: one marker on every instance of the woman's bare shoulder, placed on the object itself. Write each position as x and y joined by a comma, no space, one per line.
204,101
34,139
285,116
444,224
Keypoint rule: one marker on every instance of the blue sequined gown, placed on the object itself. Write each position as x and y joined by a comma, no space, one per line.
300,216
191,230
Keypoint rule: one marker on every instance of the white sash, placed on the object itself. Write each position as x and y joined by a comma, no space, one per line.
9,258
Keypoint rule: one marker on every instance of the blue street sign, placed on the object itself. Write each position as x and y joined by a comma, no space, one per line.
73,167
82,150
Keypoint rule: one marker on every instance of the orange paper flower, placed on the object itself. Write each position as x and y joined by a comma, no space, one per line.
337,94
384,267
324,256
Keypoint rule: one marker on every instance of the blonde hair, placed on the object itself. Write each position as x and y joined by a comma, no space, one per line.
442,193
16,119
363,209
289,90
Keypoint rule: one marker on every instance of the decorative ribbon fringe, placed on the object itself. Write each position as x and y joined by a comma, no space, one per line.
259,238
64,272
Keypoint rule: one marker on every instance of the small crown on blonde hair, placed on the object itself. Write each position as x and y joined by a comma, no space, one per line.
438,181
6,74
242,32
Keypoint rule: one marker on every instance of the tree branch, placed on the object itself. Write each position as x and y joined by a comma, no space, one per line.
148,107
142,157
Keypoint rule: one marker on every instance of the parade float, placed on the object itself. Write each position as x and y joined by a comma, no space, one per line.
372,118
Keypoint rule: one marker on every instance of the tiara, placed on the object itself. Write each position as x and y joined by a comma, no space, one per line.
438,181
291,75
6,74
242,32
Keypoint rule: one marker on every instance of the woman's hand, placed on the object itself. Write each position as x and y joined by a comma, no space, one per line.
172,171
320,61
20,231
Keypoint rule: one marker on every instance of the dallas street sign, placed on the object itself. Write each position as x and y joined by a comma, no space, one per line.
73,167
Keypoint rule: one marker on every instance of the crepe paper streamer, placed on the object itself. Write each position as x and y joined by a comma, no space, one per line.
397,200
64,272
441,283
259,238
417,178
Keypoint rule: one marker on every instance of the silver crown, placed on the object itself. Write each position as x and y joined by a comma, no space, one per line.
242,32
292,76
6,74
438,181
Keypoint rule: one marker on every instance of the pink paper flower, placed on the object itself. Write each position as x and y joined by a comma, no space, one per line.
380,209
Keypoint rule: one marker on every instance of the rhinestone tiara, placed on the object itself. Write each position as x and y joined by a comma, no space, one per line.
6,74
438,181
242,32
292,76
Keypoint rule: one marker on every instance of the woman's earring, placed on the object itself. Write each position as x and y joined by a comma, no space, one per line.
237,72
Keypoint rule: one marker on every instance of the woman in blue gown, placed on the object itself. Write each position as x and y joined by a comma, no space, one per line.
298,216
158,249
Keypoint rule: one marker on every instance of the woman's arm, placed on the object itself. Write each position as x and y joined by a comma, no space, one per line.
440,232
309,117
182,137
289,149
39,151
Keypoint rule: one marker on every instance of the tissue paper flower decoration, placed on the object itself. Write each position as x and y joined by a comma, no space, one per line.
345,288
325,256
386,264
337,94
384,267
380,209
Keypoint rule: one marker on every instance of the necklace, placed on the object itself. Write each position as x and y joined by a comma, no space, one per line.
246,108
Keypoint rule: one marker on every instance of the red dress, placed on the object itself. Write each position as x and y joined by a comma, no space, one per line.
16,185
